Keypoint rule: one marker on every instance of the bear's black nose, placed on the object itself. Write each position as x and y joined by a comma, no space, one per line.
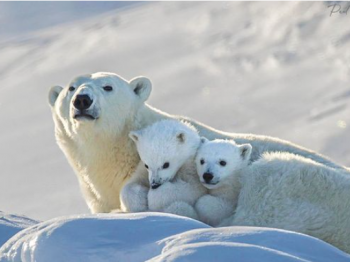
207,177
82,102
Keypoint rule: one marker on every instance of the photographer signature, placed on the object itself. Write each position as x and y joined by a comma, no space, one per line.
337,8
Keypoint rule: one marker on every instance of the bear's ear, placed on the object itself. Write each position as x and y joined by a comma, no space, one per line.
245,151
181,137
134,135
204,140
141,86
53,94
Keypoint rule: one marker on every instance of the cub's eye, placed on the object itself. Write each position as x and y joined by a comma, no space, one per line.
202,161
146,166
71,88
166,165
108,88
222,163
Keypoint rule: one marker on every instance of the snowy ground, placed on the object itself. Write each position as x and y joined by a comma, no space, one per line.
12,224
279,69
159,237
22,19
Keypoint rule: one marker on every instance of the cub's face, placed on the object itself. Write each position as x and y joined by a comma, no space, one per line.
164,148
100,103
218,160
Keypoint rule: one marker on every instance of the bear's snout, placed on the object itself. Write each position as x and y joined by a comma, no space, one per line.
82,102
208,177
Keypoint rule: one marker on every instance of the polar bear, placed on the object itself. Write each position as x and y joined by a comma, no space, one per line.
282,190
167,150
218,176
93,116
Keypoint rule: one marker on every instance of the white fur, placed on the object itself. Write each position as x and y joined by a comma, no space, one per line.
100,151
221,200
134,195
283,190
167,149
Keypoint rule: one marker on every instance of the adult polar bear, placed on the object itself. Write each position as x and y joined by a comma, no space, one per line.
93,116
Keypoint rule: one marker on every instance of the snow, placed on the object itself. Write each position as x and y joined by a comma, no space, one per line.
247,244
117,237
159,237
12,224
25,18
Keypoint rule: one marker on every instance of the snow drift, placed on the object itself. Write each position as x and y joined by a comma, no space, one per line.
11,224
159,237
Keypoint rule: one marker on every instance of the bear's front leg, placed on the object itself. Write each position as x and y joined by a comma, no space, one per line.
161,197
168,193
213,210
182,209
133,196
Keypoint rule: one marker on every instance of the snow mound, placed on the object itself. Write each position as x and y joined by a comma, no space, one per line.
12,224
247,244
159,237
102,237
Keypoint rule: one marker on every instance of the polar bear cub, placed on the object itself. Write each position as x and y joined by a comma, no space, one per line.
279,190
167,150
217,164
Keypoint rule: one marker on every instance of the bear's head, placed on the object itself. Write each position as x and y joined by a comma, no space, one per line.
164,147
219,160
102,103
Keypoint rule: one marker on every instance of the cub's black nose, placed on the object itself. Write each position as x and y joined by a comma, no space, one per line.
82,102
207,177
155,186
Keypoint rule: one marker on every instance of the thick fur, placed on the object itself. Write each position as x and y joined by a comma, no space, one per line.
221,200
216,206
175,188
179,196
134,195
286,191
101,152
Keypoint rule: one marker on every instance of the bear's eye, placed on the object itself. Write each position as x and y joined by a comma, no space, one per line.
166,165
202,161
146,166
222,163
108,88
71,88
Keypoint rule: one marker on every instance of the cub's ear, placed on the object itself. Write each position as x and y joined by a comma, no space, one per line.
134,135
204,140
53,94
245,151
141,86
